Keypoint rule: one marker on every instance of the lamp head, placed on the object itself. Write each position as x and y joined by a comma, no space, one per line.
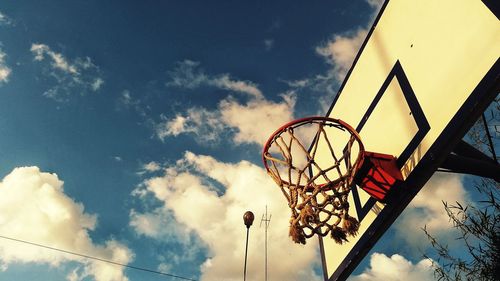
248,218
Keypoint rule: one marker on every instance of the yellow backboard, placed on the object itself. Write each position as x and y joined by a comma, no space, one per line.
424,74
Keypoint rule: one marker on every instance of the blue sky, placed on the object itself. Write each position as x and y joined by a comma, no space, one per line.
132,131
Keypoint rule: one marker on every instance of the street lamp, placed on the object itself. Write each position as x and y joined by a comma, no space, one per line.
248,220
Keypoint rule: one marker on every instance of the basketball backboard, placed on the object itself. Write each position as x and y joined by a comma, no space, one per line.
423,75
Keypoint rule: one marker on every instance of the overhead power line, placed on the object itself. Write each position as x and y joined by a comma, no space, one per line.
98,259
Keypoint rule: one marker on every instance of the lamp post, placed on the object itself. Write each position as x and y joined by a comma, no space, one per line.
248,220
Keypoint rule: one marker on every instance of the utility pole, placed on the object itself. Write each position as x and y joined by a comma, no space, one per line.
266,221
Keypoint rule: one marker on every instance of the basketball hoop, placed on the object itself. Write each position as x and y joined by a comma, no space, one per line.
316,186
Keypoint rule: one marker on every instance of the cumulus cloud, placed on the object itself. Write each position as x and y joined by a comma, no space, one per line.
4,69
267,114
207,197
230,117
427,209
232,114
395,268
5,20
204,124
171,261
34,207
80,74
151,167
159,224
176,126
341,51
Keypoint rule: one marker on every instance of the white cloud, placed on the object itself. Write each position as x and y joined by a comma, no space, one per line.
5,20
246,87
244,117
174,127
34,208
215,216
58,60
96,85
147,224
171,261
187,74
232,116
79,74
159,224
301,83
269,44
5,71
341,51
395,268
151,167
126,98
127,101
204,124
376,4
427,209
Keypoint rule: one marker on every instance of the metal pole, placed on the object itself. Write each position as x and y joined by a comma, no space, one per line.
266,221
266,245
488,135
246,250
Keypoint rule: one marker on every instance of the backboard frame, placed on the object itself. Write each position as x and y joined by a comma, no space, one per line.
478,100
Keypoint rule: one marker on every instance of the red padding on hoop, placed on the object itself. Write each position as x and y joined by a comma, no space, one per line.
378,175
